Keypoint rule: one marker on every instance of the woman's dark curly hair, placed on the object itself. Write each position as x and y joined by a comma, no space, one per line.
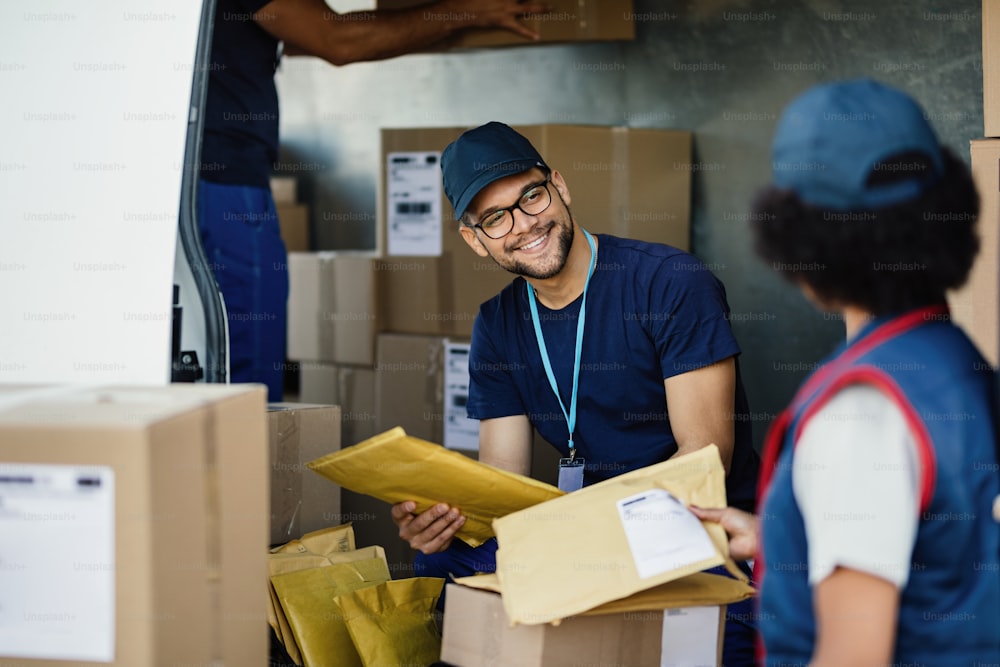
887,260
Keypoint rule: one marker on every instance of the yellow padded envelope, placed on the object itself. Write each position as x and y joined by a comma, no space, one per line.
610,540
394,467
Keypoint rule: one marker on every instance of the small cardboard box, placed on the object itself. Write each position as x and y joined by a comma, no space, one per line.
331,307
293,220
284,189
975,306
568,21
301,502
350,387
168,565
477,633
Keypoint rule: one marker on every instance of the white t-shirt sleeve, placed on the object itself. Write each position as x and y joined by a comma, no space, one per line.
855,477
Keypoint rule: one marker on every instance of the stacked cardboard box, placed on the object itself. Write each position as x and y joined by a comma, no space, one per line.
162,493
293,217
301,502
976,306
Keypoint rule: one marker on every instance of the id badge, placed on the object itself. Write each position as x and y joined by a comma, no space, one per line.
571,474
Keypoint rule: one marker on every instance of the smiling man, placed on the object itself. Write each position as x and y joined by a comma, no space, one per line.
618,352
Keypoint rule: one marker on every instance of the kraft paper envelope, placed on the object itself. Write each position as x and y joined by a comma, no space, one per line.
320,543
324,541
610,540
308,600
281,563
700,589
393,623
394,467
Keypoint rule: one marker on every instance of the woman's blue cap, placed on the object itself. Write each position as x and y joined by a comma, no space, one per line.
832,138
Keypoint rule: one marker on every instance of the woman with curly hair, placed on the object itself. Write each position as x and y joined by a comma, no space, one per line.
874,533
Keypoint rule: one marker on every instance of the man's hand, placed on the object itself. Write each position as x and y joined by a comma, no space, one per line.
430,531
506,14
739,525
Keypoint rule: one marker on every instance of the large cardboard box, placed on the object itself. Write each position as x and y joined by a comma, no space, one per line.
301,501
416,295
163,494
331,307
976,306
991,68
623,181
568,21
477,633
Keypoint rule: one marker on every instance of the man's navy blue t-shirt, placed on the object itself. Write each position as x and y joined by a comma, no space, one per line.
240,142
653,312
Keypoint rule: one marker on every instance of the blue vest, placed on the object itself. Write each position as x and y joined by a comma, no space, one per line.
949,611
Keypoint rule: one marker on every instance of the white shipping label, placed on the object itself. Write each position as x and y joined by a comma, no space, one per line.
460,432
413,191
662,533
57,562
690,637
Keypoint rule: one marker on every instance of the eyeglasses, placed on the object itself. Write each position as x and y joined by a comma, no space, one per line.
534,200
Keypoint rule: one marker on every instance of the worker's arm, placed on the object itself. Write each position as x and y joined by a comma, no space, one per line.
855,620
504,443
310,27
700,405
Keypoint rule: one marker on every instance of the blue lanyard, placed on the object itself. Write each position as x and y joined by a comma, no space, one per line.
571,415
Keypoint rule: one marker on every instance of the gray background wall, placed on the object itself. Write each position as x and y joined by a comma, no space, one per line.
723,69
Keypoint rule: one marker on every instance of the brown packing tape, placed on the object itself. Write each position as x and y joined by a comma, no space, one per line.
434,380
286,494
619,178
445,286
213,542
328,293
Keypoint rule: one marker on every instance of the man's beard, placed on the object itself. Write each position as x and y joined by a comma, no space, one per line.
563,241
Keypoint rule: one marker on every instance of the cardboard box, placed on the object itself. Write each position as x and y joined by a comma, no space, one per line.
301,501
477,633
293,219
284,189
991,68
628,182
331,308
976,305
183,470
416,295
409,385
568,21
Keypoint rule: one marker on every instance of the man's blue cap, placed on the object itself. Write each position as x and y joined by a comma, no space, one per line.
480,156
832,138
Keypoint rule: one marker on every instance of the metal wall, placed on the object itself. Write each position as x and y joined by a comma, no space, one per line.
723,69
